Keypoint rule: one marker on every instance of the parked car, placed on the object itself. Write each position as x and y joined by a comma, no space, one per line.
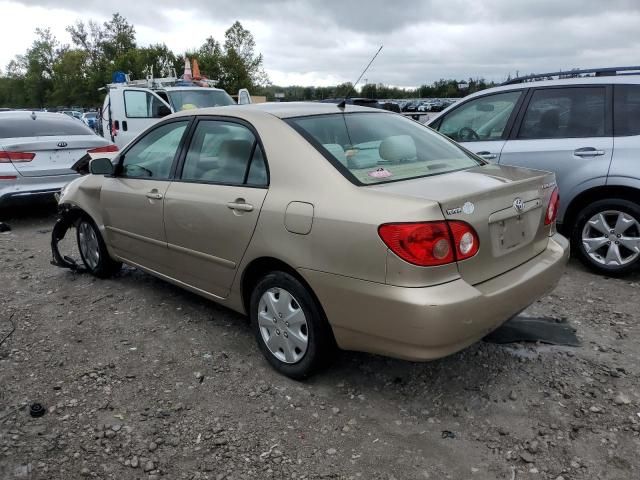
322,225
90,119
37,150
586,130
73,114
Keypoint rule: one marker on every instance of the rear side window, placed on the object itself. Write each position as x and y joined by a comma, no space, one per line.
12,126
371,148
139,104
480,119
565,113
226,153
626,110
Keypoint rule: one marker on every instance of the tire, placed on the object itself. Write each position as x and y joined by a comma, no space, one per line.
93,250
293,317
598,250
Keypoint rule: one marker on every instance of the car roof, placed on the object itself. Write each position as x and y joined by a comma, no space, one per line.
190,88
604,80
28,113
280,109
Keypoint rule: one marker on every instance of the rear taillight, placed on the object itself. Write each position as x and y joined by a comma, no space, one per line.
13,157
429,244
8,177
105,149
552,209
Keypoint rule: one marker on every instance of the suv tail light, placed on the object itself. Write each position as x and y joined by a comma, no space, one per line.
13,157
105,149
552,209
429,244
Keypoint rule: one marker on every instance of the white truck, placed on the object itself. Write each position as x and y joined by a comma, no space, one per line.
130,107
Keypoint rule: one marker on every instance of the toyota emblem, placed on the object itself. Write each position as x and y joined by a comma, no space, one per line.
62,144
518,204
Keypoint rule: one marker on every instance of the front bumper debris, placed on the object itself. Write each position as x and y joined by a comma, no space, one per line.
67,218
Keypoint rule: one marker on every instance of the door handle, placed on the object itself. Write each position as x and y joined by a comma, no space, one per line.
487,155
240,205
154,195
588,152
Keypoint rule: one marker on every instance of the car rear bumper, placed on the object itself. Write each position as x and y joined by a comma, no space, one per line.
432,322
25,189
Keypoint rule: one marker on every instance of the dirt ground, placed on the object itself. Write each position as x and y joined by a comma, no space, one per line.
143,380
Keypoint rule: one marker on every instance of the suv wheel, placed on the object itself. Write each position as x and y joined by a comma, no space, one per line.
93,250
606,236
290,328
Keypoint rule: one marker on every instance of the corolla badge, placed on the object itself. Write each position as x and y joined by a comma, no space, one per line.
518,204
62,144
467,208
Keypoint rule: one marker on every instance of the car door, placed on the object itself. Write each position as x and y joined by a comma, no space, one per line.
566,130
212,208
481,124
132,199
142,108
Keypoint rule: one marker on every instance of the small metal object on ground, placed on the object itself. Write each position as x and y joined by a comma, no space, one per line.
37,410
528,329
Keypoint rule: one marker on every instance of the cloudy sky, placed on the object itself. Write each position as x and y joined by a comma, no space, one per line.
325,42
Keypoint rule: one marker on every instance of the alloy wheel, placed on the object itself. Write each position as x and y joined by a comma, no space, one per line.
612,237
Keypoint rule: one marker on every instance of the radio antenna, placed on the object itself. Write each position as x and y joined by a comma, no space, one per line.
343,103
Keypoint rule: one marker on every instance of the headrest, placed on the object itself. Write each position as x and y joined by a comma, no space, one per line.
399,148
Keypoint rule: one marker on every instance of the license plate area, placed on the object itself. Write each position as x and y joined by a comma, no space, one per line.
510,233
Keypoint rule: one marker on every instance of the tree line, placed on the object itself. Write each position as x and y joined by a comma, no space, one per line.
51,74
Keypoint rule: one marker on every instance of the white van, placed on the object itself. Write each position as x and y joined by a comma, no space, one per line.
131,107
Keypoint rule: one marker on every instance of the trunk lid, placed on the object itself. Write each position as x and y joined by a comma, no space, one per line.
485,197
53,155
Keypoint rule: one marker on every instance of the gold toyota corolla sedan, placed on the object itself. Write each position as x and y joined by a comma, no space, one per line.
353,227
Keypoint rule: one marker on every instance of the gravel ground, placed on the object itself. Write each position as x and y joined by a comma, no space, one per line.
143,380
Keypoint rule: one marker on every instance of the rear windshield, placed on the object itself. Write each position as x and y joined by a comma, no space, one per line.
202,98
12,126
371,148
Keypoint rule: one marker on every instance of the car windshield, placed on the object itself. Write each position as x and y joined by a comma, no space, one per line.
12,126
90,115
370,148
201,98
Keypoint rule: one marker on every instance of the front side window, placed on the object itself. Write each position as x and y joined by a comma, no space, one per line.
140,104
152,156
226,153
626,110
480,119
577,112
372,148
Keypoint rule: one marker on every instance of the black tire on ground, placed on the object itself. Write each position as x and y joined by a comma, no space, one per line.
602,206
104,266
321,344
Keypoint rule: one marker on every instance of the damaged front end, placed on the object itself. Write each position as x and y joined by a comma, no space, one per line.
68,217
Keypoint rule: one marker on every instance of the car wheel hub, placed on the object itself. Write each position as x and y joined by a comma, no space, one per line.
88,243
283,325
612,238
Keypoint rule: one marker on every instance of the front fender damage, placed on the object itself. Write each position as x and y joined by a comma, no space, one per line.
68,217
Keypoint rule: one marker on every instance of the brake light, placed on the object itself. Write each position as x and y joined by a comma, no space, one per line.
429,244
13,157
105,149
552,209
8,177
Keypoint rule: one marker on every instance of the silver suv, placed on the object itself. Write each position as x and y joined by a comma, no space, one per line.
585,129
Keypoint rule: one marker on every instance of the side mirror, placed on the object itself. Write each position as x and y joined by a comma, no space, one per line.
485,107
101,166
163,111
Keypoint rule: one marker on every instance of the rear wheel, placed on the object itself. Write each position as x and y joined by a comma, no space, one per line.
606,236
93,250
289,326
